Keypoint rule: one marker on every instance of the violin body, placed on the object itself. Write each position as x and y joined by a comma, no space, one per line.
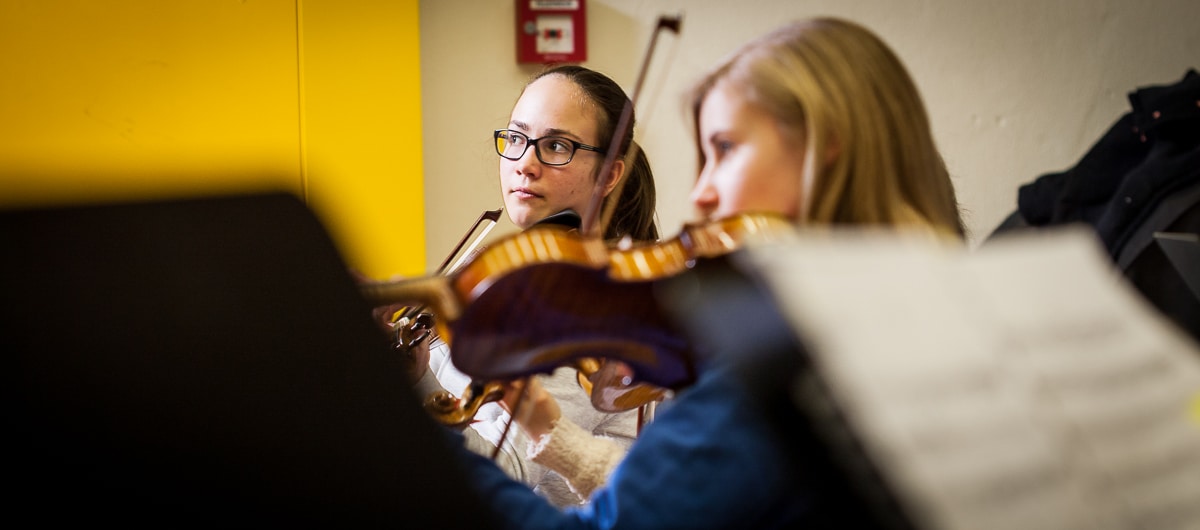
546,297
534,320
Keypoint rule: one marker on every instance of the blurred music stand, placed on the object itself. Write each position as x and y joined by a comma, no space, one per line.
206,362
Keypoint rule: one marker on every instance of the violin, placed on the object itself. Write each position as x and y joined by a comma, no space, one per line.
458,412
609,390
546,297
449,410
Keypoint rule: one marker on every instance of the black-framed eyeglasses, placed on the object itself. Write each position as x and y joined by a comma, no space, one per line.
550,150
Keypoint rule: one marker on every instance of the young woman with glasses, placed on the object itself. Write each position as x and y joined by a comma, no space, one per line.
551,155
554,146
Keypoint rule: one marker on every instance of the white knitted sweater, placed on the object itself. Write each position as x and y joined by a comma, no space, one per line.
571,460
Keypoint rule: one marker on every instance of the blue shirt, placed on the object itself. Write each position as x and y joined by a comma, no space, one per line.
715,458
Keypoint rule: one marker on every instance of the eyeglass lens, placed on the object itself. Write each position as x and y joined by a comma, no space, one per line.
551,150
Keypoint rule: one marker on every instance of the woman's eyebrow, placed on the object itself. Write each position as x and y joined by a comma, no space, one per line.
560,132
520,125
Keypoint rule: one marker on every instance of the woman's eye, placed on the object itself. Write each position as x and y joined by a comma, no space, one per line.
720,148
560,146
516,139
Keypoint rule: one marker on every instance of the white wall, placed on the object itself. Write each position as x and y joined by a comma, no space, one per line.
1015,89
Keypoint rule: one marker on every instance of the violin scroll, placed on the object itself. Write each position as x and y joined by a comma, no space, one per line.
458,412
611,385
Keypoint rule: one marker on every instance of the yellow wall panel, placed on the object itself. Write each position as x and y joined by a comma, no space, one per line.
131,98
361,113
128,99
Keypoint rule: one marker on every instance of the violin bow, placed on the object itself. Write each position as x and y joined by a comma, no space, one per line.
591,225
512,418
491,217
488,216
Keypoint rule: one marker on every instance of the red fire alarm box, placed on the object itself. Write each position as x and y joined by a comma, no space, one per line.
551,31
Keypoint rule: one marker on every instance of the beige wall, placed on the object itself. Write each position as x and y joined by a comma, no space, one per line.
1015,89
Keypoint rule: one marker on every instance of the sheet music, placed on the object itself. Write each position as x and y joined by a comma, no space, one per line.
1021,385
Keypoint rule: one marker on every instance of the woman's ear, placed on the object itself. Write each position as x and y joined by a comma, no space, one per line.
614,176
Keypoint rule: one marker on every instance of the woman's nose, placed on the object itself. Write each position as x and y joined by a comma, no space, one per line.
704,197
529,164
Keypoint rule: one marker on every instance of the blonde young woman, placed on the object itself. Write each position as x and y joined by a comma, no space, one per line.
817,121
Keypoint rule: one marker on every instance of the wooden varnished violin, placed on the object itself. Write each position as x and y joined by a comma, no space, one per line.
545,297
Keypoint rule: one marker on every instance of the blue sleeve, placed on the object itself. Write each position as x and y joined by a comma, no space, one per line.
711,460
513,503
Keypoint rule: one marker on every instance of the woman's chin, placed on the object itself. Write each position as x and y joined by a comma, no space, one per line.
522,217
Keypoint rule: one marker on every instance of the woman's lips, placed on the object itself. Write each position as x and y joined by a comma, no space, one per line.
525,193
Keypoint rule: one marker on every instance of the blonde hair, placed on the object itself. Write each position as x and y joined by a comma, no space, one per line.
869,157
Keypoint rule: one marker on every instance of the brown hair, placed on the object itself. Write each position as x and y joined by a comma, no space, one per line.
631,209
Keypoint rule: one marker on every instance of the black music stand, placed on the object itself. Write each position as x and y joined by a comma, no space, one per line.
206,362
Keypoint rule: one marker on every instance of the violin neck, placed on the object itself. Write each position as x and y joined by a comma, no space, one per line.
433,291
